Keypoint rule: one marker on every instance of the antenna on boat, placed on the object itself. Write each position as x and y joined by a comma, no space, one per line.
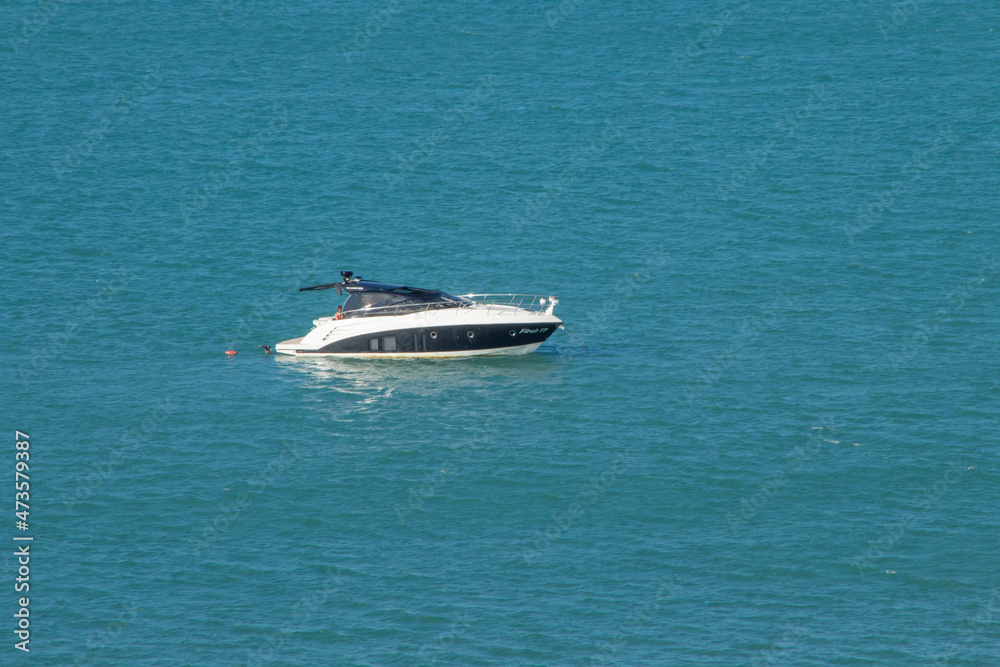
348,279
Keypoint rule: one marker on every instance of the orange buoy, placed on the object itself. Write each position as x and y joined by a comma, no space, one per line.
230,351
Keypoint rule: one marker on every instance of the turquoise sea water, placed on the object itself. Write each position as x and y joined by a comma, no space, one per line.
772,225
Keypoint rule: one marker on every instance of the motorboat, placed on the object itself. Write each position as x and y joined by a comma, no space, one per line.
385,320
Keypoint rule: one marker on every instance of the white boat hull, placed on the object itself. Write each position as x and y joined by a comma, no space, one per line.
451,332
500,351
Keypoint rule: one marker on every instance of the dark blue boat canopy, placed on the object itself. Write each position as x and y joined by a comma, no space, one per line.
374,294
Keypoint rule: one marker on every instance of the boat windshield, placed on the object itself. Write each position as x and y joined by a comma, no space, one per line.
377,303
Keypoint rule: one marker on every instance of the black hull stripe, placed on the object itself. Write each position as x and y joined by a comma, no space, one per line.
453,338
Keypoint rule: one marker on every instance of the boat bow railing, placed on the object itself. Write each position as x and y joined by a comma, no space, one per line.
535,302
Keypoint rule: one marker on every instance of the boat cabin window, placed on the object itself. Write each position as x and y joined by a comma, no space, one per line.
406,302
353,303
388,344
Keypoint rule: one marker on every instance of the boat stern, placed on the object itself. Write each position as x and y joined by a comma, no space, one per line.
288,346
